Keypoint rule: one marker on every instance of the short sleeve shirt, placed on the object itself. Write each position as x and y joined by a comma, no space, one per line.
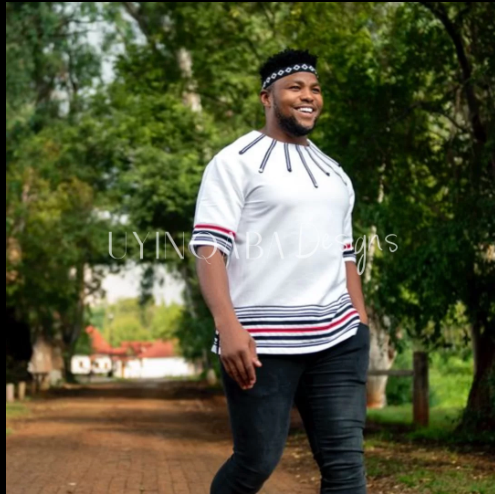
282,214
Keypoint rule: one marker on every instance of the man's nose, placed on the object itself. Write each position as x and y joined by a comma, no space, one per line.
307,95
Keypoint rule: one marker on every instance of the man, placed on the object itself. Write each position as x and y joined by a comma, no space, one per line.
291,325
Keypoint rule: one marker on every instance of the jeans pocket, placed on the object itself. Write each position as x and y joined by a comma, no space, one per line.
362,359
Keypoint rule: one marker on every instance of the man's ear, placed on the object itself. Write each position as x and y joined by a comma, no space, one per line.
266,97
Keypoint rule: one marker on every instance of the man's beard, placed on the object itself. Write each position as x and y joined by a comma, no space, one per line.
291,125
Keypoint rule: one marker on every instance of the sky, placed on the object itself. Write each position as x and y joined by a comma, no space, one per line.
127,285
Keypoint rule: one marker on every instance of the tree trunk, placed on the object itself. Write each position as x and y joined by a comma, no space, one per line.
68,375
191,98
382,356
73,323
479,415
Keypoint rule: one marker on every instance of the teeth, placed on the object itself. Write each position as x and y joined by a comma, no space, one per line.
306,110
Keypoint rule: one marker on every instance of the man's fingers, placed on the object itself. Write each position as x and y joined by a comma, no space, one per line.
230,369
249,368
242,369
234,372
254,355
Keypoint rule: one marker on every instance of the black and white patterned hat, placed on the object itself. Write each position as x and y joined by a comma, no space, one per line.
286,63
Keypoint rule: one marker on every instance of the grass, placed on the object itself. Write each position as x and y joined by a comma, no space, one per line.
14,411
450,379
440,417
429,460
431,472
450,383
404,460
442,428
432,460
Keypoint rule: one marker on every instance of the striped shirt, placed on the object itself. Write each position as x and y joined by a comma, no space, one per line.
282,214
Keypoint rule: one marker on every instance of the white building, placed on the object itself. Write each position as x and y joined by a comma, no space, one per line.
133,360
157,361
81,365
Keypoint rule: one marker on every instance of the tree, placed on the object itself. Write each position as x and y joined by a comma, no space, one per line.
454,238
409,114
165,322
55,181
176,100
409,91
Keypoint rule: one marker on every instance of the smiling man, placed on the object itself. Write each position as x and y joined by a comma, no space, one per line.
290,319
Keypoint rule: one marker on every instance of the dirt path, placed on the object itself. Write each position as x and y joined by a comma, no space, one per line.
118,439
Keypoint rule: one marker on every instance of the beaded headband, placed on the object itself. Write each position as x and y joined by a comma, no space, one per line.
285,72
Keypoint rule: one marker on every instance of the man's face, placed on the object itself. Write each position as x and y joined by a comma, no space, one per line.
297,103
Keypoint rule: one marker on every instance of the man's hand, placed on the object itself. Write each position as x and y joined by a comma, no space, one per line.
238,355
237,346
355,291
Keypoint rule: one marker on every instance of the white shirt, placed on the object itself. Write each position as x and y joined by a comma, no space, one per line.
282,214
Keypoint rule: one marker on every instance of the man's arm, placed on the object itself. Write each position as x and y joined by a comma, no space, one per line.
238,348
214,285
355,290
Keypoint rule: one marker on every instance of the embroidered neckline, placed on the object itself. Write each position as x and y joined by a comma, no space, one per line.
306,154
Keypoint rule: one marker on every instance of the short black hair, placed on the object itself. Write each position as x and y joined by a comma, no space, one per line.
286,58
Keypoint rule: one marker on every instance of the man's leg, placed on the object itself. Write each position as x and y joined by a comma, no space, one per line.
260,420
331,399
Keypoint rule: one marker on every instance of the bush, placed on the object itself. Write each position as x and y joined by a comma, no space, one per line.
400,389
16,371
450,380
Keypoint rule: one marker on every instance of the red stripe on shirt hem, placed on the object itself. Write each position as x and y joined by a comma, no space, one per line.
305,329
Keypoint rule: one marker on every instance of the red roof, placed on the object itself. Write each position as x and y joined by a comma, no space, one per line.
98,343
132,349
136,347
159,349
119,352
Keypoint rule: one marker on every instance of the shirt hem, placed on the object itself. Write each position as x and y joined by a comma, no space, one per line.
299,351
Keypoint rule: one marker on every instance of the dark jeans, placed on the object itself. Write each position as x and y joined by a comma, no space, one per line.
328,388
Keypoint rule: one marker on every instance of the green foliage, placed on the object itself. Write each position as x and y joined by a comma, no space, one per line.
400,389
54,232
127,327
165,321
128,320
408,117
451,377
195,336
83,345
96,316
